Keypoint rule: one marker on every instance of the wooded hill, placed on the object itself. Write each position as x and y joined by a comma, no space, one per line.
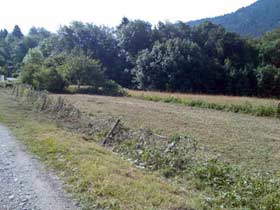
251,21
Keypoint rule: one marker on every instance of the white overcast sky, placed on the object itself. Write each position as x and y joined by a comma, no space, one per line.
52,13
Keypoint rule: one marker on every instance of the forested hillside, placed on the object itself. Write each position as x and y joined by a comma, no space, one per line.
167,57
251,21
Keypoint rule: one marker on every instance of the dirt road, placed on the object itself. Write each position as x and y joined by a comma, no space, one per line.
24,184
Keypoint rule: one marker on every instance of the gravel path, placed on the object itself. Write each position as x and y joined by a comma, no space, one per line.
24,184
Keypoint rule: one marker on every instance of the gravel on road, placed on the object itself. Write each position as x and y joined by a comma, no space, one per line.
24,182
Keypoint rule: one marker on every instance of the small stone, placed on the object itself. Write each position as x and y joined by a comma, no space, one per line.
22,204
11,197
24,200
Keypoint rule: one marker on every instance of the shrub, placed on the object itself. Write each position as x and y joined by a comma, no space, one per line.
231,188
170,157
109,88
43,74
113,89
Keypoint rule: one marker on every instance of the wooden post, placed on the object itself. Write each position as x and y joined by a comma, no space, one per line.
111,132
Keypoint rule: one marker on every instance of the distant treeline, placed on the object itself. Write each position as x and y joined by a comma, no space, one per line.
168,57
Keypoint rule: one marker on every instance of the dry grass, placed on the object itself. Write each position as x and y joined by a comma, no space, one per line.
244,105
218,99
249,141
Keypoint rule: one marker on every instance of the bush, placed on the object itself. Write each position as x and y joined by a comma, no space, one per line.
231,188
170,157
49,79
113,89
109,88
43,74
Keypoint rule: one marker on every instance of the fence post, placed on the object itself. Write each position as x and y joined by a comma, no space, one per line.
111,132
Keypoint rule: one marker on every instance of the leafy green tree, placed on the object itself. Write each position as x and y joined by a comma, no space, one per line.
134,36
240,81
32,63
99,43
51,46
269,81
34,56
35,36
270,52
82,70
167,30
43,74
174,65
50,76
168,57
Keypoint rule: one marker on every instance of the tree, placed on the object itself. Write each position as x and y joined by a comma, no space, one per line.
82,70
99,43
50,77
32,63
51,46
3,34
17,32
270,52
134,36
43,74
268,81
168,57
35,36
240,81
174,65
34,56
167,30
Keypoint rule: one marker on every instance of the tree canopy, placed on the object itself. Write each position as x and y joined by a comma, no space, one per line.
166,57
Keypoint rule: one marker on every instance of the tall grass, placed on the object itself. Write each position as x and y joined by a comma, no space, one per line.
245,105
231,188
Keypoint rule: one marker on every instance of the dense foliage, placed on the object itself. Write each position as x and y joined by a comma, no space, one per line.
252,21
168,57
14,46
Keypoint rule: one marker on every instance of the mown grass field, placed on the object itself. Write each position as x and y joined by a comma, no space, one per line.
245,140
97,177
236,165
246,105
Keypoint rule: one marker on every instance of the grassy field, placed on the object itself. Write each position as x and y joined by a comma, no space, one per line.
236,165
246,105
96,176
248,141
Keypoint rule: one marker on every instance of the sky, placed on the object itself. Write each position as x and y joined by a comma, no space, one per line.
53,13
